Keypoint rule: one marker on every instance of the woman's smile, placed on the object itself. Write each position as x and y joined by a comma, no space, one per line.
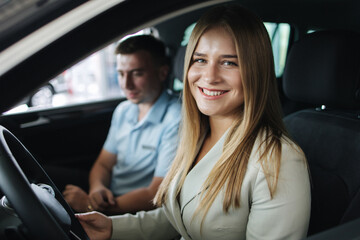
212,92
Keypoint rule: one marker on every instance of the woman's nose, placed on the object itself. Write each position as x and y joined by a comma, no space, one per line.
210,74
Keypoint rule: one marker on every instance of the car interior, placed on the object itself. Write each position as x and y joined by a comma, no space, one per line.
319,90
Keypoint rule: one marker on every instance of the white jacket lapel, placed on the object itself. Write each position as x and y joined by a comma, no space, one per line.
172,209
195,179
191,188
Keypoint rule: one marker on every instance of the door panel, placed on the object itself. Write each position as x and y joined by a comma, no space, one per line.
65,141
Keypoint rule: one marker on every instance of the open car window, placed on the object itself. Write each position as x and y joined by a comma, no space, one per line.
92,79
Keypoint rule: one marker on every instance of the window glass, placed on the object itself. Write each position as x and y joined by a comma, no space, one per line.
93,79
279,35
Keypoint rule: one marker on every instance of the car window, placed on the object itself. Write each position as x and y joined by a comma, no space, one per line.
279,35
93,79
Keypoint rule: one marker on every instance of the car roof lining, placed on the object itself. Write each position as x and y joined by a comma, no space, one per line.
18,18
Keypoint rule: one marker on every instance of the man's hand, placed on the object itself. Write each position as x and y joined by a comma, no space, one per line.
76,198
101,198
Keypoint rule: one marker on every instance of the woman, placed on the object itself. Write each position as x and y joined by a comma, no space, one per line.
237,174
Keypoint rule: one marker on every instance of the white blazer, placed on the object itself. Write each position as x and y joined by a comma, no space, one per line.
285,216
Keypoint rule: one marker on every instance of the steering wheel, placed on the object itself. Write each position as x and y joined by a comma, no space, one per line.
32,196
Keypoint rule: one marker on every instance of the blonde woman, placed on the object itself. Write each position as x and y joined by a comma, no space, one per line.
237,174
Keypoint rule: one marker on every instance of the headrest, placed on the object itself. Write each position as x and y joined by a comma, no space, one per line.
323,68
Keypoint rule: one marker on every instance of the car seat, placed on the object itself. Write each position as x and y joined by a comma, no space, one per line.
323,69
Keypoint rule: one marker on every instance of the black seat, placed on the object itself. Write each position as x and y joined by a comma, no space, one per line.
323,69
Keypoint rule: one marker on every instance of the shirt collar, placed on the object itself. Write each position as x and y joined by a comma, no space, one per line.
155,113
158,110
132,113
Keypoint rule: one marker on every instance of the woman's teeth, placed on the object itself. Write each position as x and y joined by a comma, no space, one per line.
212,93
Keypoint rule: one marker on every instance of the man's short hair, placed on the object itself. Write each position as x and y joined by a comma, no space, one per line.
148,43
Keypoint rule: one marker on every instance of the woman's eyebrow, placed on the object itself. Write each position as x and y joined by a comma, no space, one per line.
229,56
223,56
199,54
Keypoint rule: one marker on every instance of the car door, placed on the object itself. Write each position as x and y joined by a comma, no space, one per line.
64,140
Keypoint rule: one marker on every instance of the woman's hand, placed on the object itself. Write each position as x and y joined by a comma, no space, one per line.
96,225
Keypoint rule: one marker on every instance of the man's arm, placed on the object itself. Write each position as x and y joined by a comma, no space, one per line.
140,198
100,173
99,179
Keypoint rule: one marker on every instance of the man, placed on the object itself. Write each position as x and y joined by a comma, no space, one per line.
142,139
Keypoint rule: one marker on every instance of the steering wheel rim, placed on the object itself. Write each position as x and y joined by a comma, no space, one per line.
18,171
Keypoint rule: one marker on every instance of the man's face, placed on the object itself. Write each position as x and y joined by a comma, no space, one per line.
139,77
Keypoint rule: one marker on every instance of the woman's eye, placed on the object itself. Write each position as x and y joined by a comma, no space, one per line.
229,63
198,60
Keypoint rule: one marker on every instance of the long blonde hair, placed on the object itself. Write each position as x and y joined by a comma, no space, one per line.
261,113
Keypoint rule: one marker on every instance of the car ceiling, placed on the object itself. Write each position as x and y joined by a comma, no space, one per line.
20,17
80,42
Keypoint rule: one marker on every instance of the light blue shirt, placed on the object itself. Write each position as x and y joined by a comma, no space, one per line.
146,148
